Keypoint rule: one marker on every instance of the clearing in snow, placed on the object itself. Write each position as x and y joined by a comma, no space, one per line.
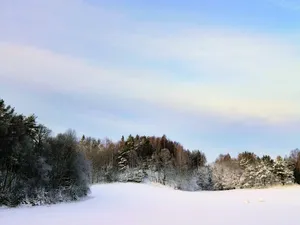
142,204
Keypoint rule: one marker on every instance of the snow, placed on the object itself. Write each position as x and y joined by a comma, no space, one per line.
145,204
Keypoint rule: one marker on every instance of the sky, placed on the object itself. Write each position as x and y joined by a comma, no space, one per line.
218,76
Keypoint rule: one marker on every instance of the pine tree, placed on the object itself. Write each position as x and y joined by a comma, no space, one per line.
282,172
248,177
295,161
264,174
205,178
123,158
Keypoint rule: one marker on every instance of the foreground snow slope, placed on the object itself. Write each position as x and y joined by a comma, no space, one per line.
138,204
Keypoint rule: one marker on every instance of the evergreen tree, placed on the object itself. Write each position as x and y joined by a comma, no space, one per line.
295,161
248,177
264,173
282,172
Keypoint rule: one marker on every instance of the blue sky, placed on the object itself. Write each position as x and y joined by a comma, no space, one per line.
219,76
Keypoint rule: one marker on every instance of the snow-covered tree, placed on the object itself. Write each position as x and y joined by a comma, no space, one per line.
205,178
264,174
282,172
247,180
294,160
226,175
124,159
132,175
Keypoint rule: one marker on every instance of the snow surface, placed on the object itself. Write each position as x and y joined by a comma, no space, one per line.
139,204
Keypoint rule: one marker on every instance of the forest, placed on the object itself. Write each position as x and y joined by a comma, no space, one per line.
38,168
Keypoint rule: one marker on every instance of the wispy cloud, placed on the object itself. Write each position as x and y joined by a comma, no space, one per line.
266,90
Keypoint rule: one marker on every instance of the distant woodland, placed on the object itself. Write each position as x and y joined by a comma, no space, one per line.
39,168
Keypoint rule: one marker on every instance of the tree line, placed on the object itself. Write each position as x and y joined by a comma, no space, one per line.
39,168
35,167
158,159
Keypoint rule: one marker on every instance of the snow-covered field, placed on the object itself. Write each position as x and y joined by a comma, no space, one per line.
139,204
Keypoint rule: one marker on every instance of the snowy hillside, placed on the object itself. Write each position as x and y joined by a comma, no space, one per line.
138,204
